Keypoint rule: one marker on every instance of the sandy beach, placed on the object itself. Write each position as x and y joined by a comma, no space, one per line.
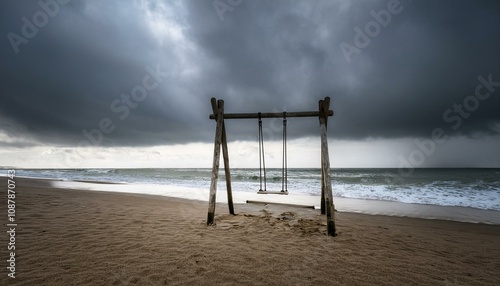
71,237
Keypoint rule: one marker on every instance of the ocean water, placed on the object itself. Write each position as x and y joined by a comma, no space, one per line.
474,188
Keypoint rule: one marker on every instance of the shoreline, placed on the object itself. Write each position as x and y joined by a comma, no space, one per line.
359,191
352,205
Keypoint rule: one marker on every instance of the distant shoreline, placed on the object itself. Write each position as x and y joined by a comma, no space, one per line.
362,206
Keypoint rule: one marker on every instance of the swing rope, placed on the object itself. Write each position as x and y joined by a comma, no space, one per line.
262,162
284,165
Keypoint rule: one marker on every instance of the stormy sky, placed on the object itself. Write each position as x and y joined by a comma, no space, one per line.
108,79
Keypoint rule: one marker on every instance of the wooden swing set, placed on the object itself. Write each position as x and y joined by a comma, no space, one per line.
219,116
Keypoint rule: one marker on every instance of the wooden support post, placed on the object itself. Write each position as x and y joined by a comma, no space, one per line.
225,155
323,203
323,211
325,167
216,161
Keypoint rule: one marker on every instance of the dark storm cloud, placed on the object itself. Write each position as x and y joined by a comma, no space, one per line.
263,56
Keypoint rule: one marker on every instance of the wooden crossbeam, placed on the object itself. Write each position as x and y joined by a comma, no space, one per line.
271,115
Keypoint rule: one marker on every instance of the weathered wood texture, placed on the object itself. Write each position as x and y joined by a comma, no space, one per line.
272,192
325,166
322,205
271,115
225,155
281,204
216,160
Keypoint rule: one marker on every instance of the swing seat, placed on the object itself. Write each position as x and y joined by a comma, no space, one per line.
262,192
